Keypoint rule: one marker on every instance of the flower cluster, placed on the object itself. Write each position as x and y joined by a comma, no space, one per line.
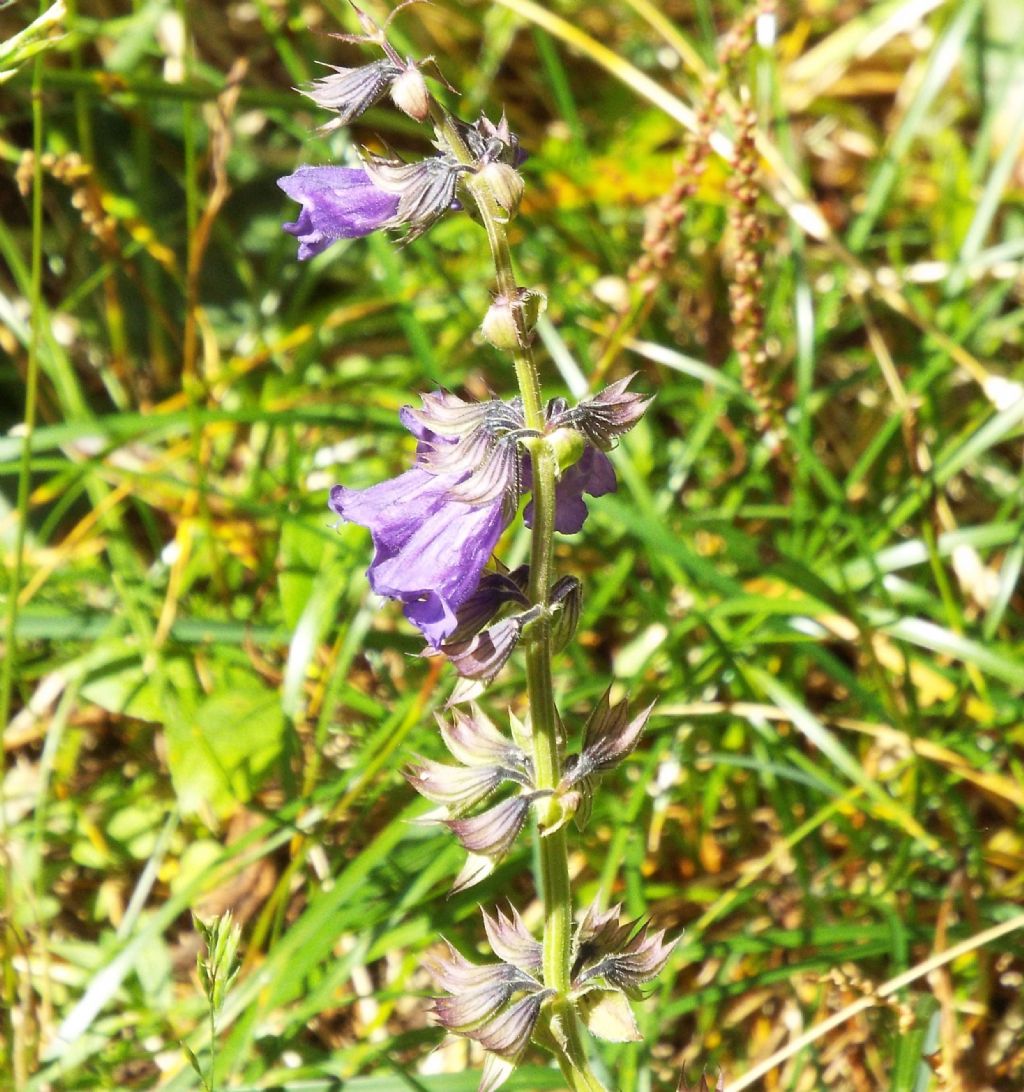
386,192
501,1005
488,761
435,526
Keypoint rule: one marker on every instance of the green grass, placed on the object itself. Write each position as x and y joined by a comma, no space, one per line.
205,709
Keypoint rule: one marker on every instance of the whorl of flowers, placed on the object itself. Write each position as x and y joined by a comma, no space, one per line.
499,1004
435,528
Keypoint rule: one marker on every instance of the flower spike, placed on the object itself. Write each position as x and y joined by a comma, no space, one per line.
435,528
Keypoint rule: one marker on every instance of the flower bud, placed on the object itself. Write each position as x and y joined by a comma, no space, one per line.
509,321
505,184
409,93
568,446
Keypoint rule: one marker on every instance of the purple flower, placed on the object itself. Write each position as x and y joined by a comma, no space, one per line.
337,203
431,546
346,202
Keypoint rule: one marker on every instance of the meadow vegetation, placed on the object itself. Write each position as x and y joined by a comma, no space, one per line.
804,230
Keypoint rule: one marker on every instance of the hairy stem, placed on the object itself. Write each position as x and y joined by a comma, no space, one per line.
547,756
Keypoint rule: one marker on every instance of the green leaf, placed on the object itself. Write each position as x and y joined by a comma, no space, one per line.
302,551
120,685
219,756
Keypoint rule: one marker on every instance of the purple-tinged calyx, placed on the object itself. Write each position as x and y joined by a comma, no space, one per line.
566,601
425,188
507,1033
351,91
476,440
600,931
494,592
473,740
457,788
642,959
483,655
512,942
477,992
489,760
608,737
493,832
496,1004
616,956
479,654
490,143
605,417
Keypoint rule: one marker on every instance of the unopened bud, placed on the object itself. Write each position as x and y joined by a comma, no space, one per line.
409,93
509,321
505,184
568,446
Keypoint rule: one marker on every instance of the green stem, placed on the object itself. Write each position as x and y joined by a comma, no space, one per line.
547,757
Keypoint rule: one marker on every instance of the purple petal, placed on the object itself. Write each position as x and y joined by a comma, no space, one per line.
337,203
431,548
593,474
